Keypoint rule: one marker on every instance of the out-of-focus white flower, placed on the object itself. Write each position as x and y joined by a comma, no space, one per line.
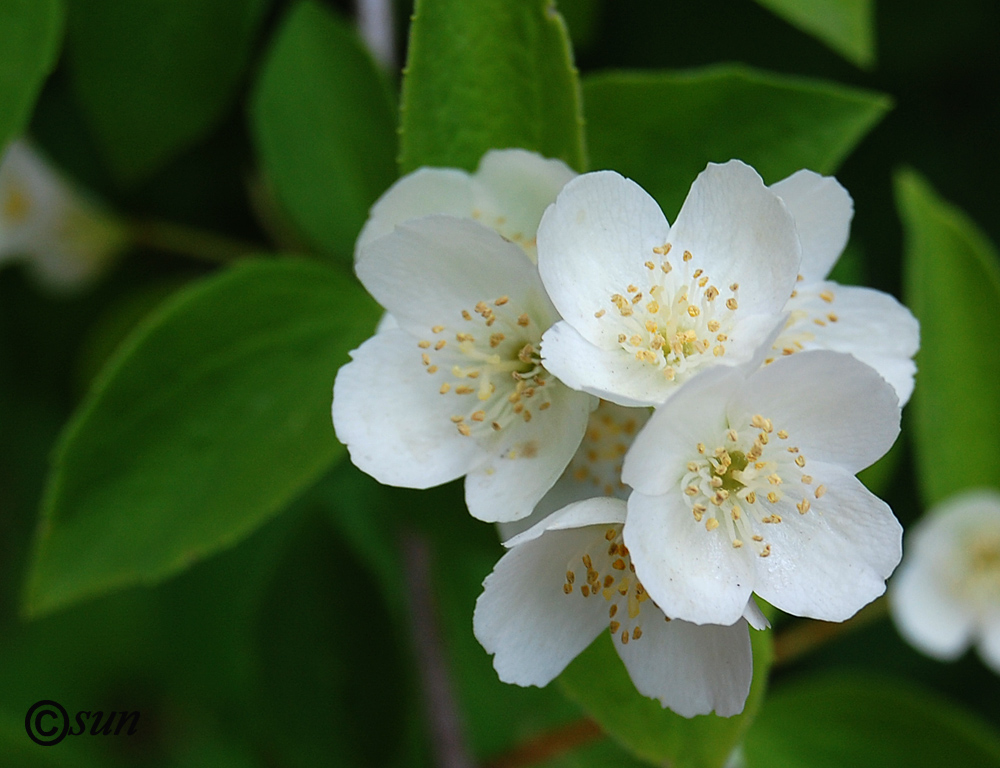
646,306
744,482
570,577
65,239
869,324
508,193
453,383
946,594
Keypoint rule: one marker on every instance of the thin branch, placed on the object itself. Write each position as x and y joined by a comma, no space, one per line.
439,702
808,635
548,745
190,241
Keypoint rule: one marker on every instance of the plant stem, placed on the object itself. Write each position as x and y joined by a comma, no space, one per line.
439,702
808,635
190,241
548,745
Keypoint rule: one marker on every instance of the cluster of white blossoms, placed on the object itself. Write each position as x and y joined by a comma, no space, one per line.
946,594
65,239
663,420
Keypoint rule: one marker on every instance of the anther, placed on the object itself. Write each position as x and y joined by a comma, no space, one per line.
464,429
524,320
820,490
445,388
600,313
731,304
501,301
613,626
711,524
803,506
688,256
800,460
437,328
827,296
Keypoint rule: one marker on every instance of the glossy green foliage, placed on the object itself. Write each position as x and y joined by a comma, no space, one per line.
599,682
847,26
325,126
30,35
833,720
488,75
212,417
155,76
661,128
952,285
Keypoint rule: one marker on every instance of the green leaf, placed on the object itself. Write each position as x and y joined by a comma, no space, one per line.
154,77
662,128
598,681
30,35
846,26
833,720
325,127
488,75
952,284
211,417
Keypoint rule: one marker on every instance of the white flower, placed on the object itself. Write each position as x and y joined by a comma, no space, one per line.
508,193
452,384
869,324
65,239
744,482
596,468
946,594
567,579
646,305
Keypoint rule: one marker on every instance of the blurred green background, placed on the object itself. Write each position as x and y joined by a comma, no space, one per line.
293,646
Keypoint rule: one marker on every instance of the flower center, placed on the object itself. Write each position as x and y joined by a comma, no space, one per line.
16,205
981,582
494,356
747,483
679,322
607,571
598,461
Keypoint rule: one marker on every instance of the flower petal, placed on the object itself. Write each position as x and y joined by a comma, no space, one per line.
689,572
736,227
927,616
528,458
755,616
524,617
831,561
989,645
427,271
836,409
593,242
691,669
426,191
596,511
513,188
606,373
822,210
658,457
396,427
871,325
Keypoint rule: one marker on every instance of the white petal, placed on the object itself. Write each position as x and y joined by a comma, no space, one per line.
428,270
834,408
740,232
528,458
596,511
830,562
659,454
926,615
822,210
691,669
691,573
524,617
396,427
607,373
593,243
513,188
755,616
871,325
989,645
424,192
